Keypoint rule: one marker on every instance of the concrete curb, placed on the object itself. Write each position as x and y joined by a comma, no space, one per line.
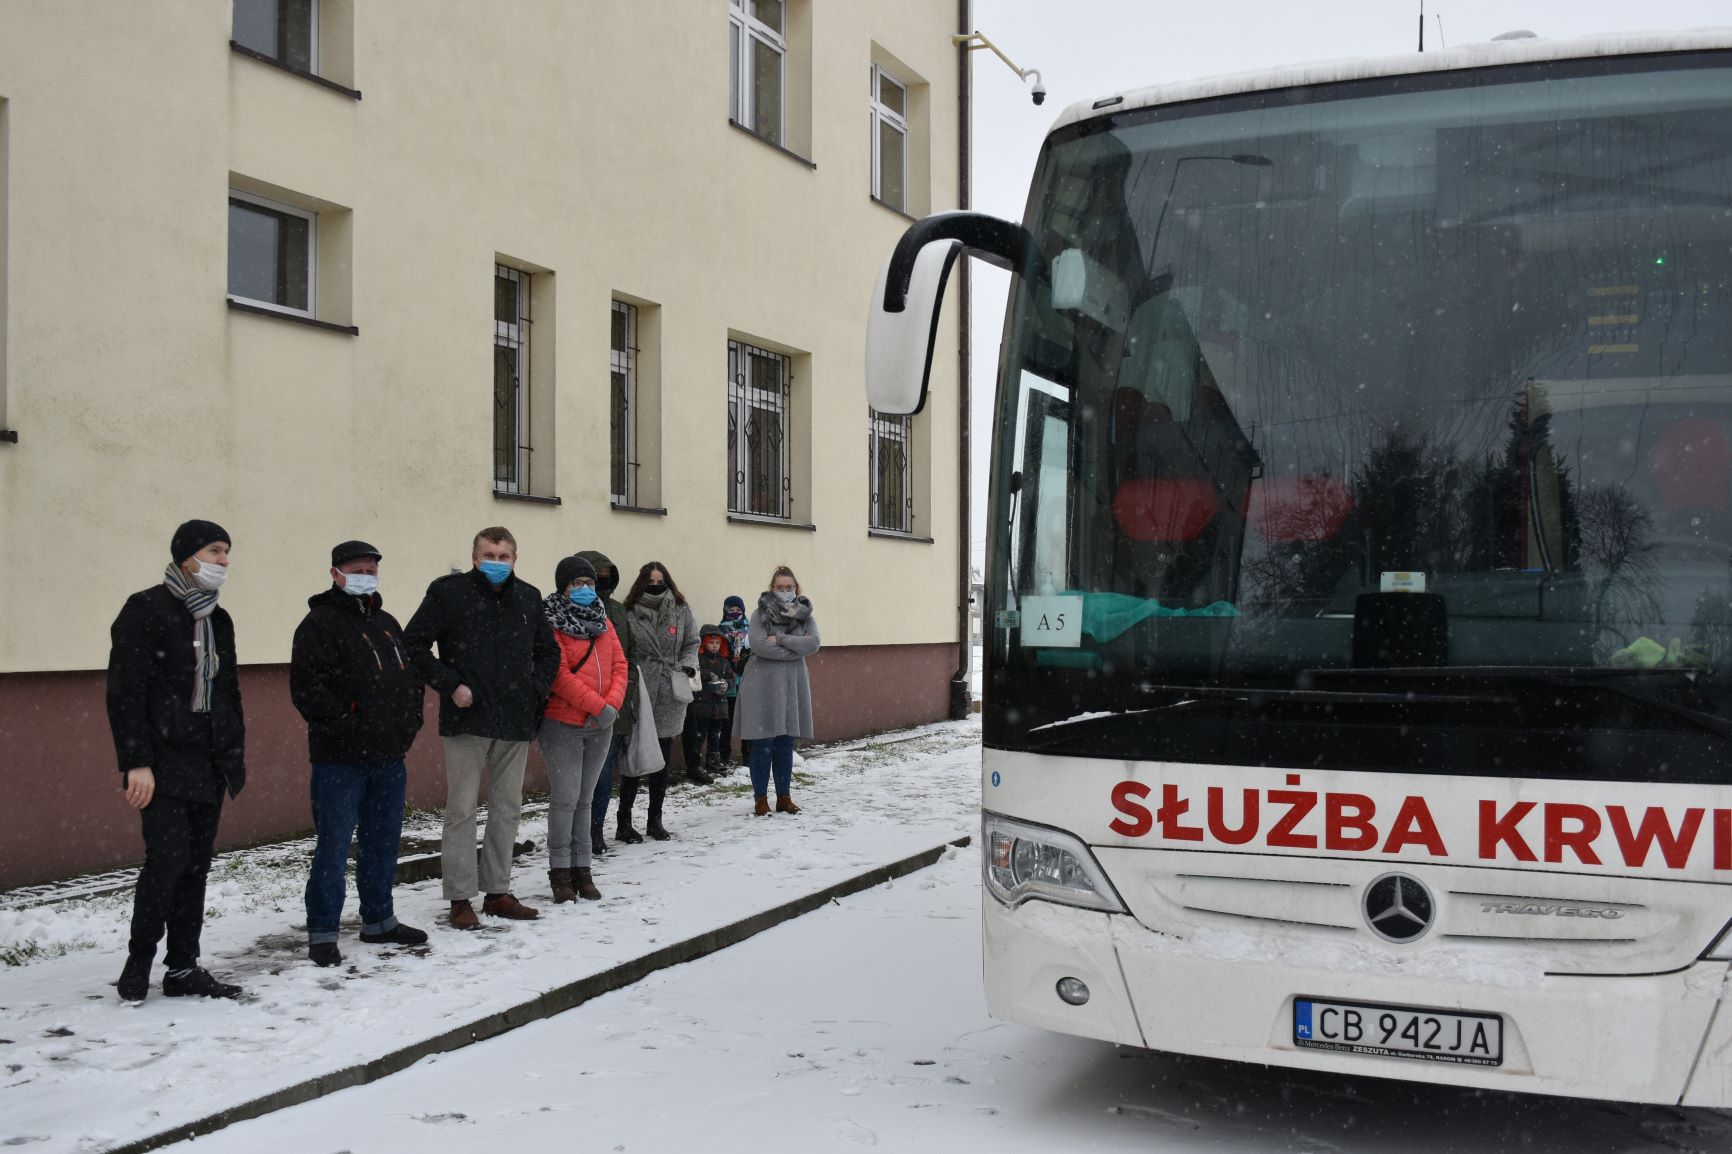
544,1005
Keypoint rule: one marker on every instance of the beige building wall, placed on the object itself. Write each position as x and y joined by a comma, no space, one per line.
589,141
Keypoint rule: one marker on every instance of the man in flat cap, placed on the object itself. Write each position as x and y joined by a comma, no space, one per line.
351,678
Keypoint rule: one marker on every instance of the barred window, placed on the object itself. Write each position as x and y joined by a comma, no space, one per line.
757,51
759,384
888,445
889,104
624,404
511,446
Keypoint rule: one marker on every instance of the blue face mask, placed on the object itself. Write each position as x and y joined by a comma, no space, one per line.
495,571
583,595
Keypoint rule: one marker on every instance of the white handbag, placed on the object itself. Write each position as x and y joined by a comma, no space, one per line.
685,688
643,753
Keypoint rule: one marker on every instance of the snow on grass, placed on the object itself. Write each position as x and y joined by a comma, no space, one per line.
79,1071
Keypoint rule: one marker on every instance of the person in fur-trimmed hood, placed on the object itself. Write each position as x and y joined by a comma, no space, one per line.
775,705
606,583
738,631
707,717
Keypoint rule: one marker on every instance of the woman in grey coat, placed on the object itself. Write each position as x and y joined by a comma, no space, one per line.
666,643
775,702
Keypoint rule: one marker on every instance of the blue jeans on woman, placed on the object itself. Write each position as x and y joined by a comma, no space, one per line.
364,803
775,753
604,785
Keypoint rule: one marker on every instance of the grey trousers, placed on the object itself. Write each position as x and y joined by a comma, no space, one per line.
465,760
574,756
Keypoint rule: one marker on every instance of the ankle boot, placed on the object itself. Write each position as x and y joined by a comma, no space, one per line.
560,880
597,843
760,806
655,830
586,884
785,804
625,834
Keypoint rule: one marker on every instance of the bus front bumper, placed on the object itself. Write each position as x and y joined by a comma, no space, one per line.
1658,1038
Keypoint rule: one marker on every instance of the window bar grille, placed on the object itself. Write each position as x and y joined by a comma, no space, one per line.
511,412
625,400
759,390
892,502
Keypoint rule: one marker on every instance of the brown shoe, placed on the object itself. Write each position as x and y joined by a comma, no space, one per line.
560,880
463,916
760,806
506,906
586,884
785,804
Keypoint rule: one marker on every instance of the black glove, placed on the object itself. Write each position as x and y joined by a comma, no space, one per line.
605,718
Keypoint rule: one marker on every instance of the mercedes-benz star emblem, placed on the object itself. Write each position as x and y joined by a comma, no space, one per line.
1398,908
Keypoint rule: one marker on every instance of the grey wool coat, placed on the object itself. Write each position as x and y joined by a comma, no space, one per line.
666,638
775,693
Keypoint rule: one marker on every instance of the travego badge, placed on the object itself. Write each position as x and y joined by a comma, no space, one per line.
1052,622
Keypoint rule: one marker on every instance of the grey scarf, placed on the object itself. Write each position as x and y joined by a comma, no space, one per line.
779,616
201,603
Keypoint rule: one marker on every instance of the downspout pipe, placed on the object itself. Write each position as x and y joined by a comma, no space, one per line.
961,695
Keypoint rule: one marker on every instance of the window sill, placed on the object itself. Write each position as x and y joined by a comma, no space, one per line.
647,510
272,61
8,436
888,207
293,318
531,498
773,522
895,536
790,154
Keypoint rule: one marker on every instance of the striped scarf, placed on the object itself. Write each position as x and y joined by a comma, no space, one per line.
201,603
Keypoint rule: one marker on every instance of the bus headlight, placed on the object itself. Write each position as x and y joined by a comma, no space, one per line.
1029,861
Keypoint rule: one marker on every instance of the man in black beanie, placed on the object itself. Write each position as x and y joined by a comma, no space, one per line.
174,704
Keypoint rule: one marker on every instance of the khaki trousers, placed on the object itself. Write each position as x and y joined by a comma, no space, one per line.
466,758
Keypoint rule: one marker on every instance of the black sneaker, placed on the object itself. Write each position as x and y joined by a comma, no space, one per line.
197,983
397,935
134,982
325,954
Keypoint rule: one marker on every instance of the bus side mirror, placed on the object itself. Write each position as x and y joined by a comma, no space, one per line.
902,325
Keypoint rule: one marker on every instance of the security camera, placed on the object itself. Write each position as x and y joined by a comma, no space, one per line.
1039,93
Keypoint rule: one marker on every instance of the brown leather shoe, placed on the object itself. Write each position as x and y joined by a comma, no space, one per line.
463,916
760,806
585,882
506,906
785,804
560,880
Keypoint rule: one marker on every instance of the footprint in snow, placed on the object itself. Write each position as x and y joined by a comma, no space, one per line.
851,1131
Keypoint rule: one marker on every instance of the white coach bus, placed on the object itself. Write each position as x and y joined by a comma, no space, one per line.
1359,613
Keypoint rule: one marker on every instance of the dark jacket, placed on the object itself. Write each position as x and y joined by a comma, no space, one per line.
150,683
716,671
494,640
352,680
617,617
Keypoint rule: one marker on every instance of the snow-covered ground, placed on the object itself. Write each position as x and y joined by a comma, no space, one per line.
863,1025
79,1071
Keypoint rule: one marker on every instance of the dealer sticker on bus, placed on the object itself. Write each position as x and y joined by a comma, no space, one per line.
1398,1032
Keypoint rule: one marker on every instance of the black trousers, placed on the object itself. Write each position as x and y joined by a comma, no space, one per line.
178,836
714,730
728,737
658,787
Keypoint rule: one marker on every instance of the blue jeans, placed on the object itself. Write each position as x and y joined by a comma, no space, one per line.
604,784
777,753
362,802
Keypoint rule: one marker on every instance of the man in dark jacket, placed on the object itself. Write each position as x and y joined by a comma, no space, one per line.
174,705
495,667
606,582
361,698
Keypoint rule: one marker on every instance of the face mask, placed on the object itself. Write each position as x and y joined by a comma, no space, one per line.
607,583
360,584
210,577
656,587
786,596
495,571
734,614
583,595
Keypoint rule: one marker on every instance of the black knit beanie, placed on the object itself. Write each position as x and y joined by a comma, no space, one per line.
195,535
570,570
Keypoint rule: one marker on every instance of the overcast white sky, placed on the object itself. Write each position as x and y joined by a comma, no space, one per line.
1085,49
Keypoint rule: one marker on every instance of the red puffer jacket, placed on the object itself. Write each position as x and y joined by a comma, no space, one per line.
577,697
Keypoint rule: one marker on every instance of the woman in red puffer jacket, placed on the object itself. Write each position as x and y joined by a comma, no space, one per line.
577,728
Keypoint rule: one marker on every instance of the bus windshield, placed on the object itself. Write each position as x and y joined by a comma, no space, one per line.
1382,425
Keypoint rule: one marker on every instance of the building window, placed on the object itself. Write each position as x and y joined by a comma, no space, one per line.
624,403
272,252
287,31
759,390
889,440
757,51
889,110
511,448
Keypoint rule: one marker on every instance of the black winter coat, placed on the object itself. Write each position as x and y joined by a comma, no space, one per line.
151,667
352,680
495,641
